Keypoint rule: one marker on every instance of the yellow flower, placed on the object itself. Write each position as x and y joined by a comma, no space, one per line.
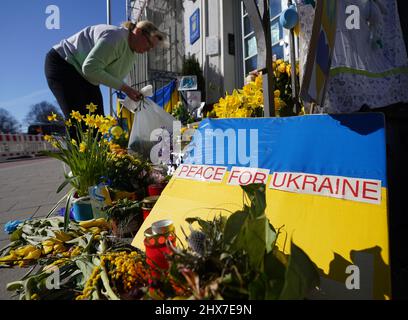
98,121
288,69
91,107
279,61
277,103
302,111
104,128
68,123
258,81
52,117
276,93
259,99
282,68
89,120
112,120
73,142
82,147
76,115
48,138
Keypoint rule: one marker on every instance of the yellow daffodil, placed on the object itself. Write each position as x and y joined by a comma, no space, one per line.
82,147
89,120
288,69
68,123
91,107
276,93
98,121
112,120
282,68
258,81
52,117
73,142
104,128
76,115
279,61
48,138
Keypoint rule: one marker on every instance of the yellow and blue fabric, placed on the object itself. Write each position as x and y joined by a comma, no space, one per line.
336,233
167,96
321,50
125,116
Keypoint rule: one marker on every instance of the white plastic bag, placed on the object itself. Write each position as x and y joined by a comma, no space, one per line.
148,117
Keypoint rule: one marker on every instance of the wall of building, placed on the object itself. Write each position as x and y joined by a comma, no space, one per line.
218,20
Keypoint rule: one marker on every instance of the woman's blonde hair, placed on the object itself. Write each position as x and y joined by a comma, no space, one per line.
150,29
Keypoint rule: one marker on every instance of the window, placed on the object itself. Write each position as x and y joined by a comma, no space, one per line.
275,8
249,40
250,46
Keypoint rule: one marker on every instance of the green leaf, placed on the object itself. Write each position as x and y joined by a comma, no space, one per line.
301,275
62,186
234,225
256,241
270,236
257,289
67,209
256,194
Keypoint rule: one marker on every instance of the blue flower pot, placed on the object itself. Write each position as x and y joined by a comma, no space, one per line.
289,18
82,209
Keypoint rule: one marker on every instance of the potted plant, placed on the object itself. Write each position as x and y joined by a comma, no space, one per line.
128,175
84,149
125,216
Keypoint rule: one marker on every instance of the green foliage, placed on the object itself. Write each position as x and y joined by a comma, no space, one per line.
127,172
86,158
241,259
181,113
124,209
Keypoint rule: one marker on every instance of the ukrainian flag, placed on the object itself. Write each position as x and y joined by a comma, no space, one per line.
167,96
326,185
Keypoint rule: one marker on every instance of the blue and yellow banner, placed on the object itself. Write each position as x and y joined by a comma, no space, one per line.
326,186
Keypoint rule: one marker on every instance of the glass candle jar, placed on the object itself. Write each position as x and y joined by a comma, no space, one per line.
155,242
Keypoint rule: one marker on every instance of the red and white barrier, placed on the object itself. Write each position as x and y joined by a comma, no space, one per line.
19,145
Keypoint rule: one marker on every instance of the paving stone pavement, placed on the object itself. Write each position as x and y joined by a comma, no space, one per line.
27,189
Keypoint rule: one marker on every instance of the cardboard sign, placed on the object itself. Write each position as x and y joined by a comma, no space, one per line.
326,185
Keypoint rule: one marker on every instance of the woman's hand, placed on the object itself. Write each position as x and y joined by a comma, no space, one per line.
131,93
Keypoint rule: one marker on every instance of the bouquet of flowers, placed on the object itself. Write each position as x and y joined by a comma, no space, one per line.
84,148
248,101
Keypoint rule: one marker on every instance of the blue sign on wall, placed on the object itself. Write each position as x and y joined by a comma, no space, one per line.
195,26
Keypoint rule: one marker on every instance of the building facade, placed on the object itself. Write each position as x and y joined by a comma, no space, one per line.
217,32
220,34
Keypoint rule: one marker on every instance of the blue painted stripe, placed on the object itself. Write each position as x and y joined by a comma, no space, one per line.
350,145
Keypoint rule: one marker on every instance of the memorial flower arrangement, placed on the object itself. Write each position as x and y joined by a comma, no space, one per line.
225,258
248,101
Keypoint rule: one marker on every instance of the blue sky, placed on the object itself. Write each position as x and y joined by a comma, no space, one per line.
25,40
